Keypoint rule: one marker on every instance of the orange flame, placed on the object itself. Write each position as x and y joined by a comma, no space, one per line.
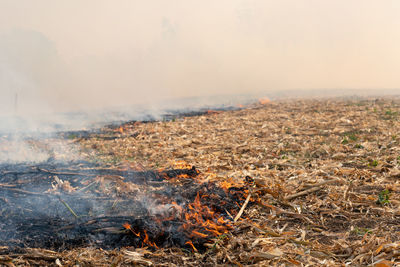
202,216
264,101
183,175
198,234
147,241
127,226
190,243
176,177
228,183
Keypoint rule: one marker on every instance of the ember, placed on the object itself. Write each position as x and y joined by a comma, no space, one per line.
63,206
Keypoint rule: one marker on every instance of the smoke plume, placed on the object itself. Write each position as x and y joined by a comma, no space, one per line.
92,54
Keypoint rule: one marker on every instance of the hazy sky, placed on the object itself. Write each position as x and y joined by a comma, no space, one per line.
66,54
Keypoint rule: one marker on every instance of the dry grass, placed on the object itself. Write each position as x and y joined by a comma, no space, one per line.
327,182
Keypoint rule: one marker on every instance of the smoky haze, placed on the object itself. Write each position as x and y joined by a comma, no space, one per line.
72,55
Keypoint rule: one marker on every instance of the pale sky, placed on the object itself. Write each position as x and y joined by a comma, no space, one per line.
67,54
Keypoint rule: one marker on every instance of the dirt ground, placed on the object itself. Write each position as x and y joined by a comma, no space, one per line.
326,188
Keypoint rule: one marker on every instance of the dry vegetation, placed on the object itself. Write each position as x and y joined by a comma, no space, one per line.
326,186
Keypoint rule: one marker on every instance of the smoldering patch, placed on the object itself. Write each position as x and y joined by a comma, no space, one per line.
61,206
21,148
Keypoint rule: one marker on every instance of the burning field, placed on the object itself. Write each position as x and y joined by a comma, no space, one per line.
285,183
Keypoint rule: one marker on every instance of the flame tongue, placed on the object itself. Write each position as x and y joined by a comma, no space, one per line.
128,227
199,216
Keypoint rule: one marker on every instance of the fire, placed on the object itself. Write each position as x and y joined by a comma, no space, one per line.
190,243
198,234
147,241
127,226
176,177
228,183
264,101
145,236
183,175
202,217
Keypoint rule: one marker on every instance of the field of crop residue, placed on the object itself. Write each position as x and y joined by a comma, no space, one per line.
320,181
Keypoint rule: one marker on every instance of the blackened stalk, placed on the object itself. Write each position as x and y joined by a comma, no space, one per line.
68,207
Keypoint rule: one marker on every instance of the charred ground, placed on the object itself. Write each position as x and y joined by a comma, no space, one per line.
63,206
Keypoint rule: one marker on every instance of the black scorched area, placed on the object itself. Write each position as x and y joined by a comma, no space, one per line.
60,206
